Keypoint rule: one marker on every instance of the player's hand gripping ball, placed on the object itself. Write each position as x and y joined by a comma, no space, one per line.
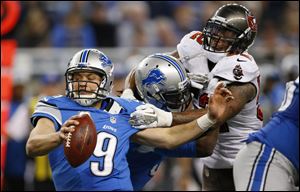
81,143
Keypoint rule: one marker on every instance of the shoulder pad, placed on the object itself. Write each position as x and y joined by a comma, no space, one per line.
48,107
51,99
190,45
236,68
128,104
61,102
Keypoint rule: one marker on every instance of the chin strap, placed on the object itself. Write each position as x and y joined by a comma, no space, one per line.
86,102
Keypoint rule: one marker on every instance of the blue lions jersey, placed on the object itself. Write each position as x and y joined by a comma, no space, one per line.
107,168
282,131
144,161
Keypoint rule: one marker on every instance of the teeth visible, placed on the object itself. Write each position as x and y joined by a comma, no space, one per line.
69,136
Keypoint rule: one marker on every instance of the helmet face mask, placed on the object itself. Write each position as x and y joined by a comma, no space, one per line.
89,62
178,100
218,38
232,29
162,81
80,90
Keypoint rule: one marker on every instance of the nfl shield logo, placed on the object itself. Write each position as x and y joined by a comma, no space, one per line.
113,119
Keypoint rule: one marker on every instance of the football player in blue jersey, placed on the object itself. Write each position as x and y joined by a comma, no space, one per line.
88,85
270,160
161,80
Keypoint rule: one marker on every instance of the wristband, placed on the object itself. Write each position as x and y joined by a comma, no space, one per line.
205,122
166,119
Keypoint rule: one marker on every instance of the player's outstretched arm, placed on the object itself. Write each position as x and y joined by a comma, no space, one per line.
43,138
187,116
174,136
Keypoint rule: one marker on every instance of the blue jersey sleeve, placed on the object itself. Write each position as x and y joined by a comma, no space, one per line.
47,108
186,150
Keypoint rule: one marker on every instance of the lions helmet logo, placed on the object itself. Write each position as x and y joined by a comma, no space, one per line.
238,72
155,76
105,60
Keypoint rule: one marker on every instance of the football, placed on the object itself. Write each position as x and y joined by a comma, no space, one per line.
81,143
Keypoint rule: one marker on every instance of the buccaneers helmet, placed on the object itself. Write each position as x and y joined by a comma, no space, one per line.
231,29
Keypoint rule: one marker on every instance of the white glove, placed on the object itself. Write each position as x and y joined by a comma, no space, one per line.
143,118
148,115
128,94
199,81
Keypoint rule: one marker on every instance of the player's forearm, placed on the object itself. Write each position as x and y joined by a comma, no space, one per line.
183,133
187,116
42,144
169,138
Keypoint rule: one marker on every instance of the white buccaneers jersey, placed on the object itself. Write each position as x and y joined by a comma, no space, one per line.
195,58
236,68
192,54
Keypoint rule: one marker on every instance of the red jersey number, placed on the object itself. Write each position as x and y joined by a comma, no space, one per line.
198,37
259,113
203,100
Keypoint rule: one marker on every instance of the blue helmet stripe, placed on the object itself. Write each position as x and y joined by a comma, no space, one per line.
87,55
83,59
177,67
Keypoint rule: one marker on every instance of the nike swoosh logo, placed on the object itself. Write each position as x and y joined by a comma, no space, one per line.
238,59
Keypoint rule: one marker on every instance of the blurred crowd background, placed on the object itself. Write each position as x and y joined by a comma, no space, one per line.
50,32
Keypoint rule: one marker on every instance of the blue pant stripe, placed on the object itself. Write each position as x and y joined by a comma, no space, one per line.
253,167
260,170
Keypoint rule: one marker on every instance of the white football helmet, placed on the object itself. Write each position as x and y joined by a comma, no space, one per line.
162,81
89,60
